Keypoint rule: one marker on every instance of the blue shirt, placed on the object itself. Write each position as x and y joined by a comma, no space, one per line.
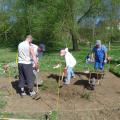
100,53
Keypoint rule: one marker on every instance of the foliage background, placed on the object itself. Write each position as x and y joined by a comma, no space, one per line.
59,23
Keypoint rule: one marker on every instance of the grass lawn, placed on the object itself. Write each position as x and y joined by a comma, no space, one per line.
115,55
40,116
47,61
50,59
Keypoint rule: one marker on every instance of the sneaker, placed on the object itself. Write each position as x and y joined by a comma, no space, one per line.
74,77
23,93
32,93
67,82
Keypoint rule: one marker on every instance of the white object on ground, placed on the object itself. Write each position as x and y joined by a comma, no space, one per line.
57,66
117,65
23,94
41,82
87,71
50,112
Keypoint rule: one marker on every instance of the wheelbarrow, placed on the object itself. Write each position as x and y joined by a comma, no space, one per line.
94,78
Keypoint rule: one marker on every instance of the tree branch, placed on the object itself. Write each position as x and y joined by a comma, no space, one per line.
85,14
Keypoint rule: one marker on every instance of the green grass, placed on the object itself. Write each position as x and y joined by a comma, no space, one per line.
115,67
46,62
115,71
3,102
115,55
7,55
41,116
53,115
50,59
86,95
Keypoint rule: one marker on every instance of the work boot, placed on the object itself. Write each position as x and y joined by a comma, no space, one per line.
74,77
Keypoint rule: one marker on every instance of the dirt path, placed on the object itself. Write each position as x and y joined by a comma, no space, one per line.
103,102
103,105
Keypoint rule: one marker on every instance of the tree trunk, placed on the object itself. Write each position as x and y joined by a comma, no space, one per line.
74,40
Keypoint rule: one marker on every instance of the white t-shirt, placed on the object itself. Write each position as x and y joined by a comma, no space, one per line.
70,60
24,56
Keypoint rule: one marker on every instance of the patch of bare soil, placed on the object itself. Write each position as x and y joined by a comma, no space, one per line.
101,104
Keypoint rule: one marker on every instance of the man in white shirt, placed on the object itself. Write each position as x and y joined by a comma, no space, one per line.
70,63
25,51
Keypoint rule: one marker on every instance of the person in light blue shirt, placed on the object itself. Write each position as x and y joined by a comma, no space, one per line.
99,54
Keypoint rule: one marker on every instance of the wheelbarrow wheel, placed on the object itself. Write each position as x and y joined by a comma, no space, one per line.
92,87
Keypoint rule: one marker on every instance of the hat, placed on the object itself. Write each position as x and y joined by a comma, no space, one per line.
42,46
98,42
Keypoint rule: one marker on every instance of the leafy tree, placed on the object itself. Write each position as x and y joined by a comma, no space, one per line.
57,23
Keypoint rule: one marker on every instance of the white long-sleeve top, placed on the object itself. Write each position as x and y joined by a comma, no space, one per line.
35,47
70,60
